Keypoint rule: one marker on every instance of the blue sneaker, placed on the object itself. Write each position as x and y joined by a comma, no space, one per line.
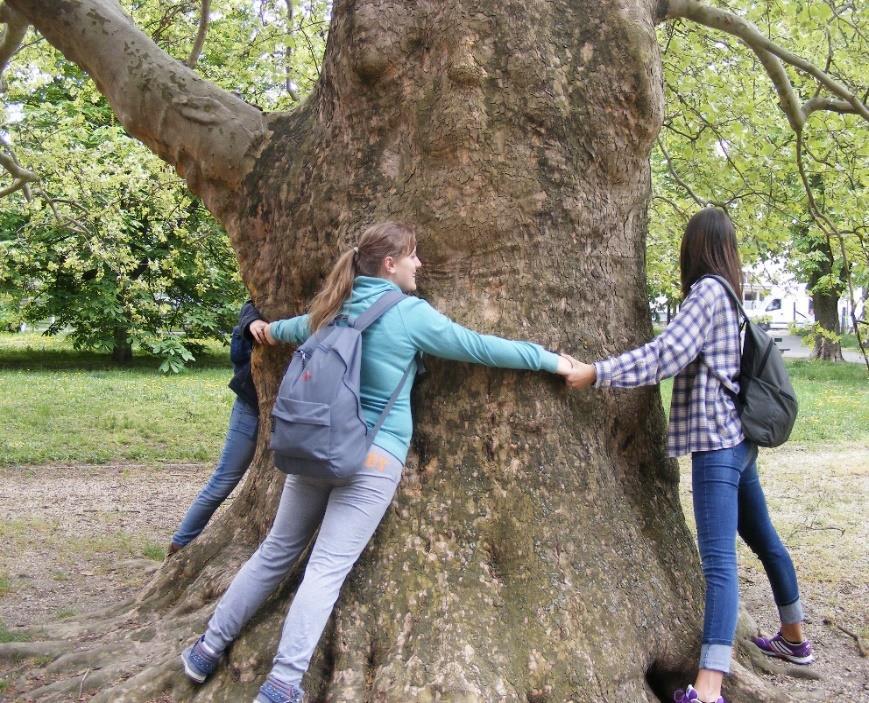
199,661
274,691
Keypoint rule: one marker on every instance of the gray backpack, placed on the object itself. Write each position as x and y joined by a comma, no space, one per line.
766,402
317,425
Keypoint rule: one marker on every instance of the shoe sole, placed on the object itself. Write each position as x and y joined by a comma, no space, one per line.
802,661
192,674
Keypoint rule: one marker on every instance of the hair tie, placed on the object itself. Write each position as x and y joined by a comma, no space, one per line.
356,250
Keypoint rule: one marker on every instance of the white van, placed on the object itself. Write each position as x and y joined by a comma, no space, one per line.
779,308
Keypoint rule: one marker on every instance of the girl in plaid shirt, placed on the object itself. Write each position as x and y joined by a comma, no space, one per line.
701,348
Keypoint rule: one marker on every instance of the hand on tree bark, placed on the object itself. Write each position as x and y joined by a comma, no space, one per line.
259,332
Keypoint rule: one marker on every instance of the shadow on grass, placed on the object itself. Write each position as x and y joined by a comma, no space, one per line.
33,352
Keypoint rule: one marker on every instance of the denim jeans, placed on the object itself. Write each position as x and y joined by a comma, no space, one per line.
238,449
728,500
347,512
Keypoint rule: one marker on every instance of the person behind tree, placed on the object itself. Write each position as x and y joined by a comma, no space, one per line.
348,512
701,348
240,443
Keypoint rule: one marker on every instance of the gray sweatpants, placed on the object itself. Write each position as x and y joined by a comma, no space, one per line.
350,512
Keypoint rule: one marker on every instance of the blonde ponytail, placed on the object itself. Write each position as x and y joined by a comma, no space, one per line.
334,292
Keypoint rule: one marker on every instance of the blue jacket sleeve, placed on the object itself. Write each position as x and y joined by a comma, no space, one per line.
434,333
294,330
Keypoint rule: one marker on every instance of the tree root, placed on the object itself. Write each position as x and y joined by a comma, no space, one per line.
15,651
145,666
861,642
131,655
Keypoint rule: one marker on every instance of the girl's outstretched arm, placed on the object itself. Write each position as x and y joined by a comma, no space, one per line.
666,355
434,333
294,330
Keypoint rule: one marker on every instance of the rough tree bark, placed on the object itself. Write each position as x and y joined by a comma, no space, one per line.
536,550
826,307
827,316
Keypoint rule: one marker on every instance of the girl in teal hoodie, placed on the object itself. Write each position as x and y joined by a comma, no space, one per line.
348,512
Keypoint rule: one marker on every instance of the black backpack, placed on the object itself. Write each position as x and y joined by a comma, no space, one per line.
767,403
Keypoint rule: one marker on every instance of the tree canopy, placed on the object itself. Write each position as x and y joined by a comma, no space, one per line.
105,240
727,142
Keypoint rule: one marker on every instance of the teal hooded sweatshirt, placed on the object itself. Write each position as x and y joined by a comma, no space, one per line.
392,343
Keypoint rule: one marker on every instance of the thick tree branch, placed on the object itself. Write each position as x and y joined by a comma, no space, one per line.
21,177
204,131
830,104
204,17
13,35
288,54
769,53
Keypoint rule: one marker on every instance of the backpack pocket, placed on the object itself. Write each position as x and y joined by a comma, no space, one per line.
301,429
768,413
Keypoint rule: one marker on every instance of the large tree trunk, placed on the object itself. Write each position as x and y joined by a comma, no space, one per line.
536,550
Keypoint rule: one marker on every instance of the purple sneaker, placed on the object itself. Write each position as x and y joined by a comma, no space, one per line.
691,696
779,647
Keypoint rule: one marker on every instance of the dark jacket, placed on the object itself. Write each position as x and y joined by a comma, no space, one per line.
240,348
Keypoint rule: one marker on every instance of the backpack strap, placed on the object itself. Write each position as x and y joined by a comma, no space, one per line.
382,418
730,292
377,309
380,306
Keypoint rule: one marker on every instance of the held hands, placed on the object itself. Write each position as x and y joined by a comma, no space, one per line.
582,376
566,365
577,375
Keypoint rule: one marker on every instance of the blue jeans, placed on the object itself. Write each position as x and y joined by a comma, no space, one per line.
238,449
728,499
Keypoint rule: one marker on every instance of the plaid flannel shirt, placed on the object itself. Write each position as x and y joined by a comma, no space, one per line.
701,347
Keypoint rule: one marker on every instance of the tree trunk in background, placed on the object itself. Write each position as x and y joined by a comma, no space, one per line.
536,550
827,316
826,306
122,349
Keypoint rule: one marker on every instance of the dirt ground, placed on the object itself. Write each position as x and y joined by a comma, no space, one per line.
77,538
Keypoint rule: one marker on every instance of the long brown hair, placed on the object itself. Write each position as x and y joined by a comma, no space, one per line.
709,246
365,259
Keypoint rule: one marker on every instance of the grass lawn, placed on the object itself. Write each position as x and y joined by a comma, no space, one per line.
60,405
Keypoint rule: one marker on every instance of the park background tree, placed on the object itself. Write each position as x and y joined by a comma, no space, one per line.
109,244
724,142
536,550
